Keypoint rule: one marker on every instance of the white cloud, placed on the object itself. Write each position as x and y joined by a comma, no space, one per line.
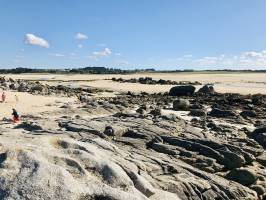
187,56
105,52
207,60
244,60
32,39
19,56
102,45
80,46
118,54
252,54
81,36
57,54
123,62
16,60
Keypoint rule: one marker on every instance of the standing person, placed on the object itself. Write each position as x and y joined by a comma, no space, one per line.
3,96
16,98
15,116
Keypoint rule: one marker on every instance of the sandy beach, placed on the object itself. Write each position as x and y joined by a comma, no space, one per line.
225,82
28,104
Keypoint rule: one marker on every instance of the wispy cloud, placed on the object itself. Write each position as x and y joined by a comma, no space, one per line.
32,39
98,54
80,46
122,62
56,54
207,60
19,56
187,56
81,36
16,60
102,45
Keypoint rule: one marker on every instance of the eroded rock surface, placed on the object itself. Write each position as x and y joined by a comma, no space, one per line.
154,152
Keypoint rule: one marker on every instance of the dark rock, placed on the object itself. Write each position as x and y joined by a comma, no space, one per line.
259,135
231,160
259,189
164,148
37,88
206,89
134,134
141,111
262,159
215,112
22,87
248,113
196,106
243,176
29,126
184,90
156,112
109,131
13,86
197,112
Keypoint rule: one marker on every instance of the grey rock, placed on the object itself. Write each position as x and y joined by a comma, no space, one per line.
181,104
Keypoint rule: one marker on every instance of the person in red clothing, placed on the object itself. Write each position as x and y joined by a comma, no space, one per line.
15,116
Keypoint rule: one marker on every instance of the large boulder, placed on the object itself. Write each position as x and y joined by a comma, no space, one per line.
207,89
215,112
22,87
248,113
183,90
197,112
156,112
243,176
259,135
13,86
37,88
181,104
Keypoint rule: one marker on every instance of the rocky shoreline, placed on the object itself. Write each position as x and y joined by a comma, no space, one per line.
184,144
150,81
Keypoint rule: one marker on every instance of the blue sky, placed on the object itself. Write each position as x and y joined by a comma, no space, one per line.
128,34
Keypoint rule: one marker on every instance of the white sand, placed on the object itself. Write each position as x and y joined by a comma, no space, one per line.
30,104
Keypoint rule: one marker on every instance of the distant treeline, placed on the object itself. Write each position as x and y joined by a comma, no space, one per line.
85,70
105,70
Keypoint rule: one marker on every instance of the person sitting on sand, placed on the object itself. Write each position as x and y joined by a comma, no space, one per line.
15,116
3,96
